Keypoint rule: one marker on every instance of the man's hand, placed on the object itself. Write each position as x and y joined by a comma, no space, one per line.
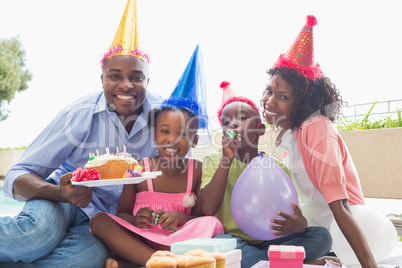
292,224
78,196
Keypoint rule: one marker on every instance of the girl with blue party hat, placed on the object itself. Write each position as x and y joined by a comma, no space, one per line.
156,213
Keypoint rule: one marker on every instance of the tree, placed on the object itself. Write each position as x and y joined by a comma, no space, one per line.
13,76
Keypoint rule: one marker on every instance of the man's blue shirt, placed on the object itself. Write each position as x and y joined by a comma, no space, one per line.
82,128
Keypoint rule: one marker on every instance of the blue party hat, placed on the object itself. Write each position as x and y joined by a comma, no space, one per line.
190,93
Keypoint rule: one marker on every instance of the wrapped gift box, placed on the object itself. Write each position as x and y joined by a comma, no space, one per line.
208,244
281,256
233,258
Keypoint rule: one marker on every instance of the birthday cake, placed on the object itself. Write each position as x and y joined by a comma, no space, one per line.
108,166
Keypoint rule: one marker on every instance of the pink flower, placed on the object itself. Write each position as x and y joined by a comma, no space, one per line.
86,175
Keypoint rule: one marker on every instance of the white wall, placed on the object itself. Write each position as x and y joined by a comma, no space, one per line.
7,159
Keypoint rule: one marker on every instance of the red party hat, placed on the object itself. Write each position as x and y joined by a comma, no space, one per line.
227,91
300,55
229,95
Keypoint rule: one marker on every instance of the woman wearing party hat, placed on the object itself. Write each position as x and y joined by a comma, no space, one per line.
242,128
53,228
303,104
156,213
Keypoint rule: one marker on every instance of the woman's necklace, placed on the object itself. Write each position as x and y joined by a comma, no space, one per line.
278,140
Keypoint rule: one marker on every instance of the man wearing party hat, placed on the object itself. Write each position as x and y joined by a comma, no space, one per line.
304,104
242,128
53,228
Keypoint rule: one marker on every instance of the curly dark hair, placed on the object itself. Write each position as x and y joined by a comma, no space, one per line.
322,97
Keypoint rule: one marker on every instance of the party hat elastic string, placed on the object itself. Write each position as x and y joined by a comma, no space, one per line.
303,95
297,107
255,135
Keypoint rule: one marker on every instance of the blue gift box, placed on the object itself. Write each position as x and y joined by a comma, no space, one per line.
207,244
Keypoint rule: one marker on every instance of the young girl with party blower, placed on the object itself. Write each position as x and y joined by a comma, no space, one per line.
303,104
156,213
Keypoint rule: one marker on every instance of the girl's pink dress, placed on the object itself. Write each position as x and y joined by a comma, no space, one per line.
200,227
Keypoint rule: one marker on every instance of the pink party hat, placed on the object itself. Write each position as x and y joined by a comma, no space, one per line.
229,96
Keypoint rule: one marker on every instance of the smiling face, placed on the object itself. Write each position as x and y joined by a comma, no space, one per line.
278,102
124,81
175,133
243,119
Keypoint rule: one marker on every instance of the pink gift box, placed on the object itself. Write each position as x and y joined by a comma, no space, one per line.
286,256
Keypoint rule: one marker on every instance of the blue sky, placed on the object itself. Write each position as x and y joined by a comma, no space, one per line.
357,44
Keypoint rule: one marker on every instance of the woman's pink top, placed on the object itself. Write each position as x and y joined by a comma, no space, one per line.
328,162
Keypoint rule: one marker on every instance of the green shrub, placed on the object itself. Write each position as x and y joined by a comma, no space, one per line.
357,123
13,148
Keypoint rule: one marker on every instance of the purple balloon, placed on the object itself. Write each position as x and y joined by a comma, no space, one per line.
260,191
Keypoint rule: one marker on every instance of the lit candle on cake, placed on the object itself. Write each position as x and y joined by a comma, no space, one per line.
107,150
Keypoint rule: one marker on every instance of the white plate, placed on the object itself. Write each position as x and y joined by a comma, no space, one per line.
145,176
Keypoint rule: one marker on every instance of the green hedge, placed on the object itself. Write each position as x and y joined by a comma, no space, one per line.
357,123
13,148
